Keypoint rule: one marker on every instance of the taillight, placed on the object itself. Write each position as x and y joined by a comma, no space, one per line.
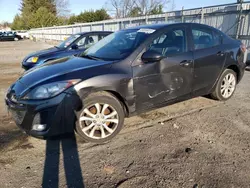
243,47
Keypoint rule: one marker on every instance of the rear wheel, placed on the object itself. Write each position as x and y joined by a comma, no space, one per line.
226,86
16,39
101,117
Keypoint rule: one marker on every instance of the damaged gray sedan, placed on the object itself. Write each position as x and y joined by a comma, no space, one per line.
127,73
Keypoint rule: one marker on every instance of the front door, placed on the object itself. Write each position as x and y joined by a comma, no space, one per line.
171,77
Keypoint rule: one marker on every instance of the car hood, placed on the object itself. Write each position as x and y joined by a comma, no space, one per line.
61,69
44,52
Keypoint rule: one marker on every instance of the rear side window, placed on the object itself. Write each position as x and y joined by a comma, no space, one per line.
217,38
205,38
170,43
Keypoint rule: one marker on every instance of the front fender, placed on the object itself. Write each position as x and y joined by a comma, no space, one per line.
113,82
121,84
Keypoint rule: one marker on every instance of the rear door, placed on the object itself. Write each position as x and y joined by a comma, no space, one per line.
209,58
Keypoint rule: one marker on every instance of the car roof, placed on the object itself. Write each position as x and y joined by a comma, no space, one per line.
83,33
152,26
160,26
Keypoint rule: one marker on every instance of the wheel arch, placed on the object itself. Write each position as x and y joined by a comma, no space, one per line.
117,85
233,67
236,70
121,99
88,91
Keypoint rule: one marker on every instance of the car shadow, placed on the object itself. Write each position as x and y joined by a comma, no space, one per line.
70,159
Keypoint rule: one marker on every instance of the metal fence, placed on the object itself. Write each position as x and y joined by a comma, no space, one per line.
233,19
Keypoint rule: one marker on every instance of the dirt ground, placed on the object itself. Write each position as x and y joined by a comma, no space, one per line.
198,143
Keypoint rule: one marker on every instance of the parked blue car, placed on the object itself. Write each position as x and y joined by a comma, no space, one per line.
74,45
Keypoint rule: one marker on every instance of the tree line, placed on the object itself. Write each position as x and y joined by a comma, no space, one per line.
46,13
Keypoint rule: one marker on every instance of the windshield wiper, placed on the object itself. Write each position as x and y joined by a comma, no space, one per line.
57,47
91,57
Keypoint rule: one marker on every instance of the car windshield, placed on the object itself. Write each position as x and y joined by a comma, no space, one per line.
68,41
118,45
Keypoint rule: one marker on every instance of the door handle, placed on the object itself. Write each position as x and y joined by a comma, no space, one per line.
220,53
186,63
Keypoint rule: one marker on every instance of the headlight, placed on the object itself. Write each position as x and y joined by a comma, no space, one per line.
50,90
32,60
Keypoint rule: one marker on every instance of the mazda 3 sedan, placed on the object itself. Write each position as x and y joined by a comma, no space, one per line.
128,72
74,45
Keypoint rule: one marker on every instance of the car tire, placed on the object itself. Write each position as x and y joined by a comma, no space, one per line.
225,86
93,120
16,39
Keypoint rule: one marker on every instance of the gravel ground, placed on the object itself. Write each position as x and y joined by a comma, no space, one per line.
198,143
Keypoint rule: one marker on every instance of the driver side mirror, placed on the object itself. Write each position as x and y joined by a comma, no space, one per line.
151,56
74,47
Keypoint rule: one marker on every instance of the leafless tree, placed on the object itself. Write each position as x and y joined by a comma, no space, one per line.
122,8
147,5
119,8
173,6
62,7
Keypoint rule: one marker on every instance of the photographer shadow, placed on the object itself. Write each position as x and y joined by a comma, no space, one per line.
71,162
63,148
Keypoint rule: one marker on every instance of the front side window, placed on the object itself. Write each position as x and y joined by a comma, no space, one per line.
204,38
170,43
92,39
81,42
68,41
101,36
118,45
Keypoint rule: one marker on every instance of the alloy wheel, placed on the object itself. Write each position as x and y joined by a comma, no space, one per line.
99,121
228,85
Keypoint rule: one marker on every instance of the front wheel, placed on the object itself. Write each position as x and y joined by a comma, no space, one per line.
16,39
225,86
101,117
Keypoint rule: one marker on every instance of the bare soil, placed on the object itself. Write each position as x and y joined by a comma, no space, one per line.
196,143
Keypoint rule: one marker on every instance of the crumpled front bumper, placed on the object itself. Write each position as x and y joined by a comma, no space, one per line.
57,113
